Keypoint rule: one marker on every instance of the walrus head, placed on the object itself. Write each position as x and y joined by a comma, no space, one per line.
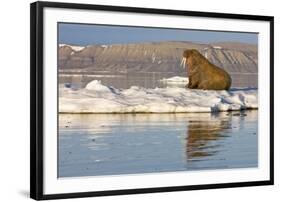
187,56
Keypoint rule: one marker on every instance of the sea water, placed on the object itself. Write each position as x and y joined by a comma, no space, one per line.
115,144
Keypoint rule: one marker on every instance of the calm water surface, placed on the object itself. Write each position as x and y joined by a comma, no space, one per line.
91,145
146,80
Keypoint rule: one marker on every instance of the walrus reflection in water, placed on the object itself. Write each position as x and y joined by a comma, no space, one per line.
203,74
202,135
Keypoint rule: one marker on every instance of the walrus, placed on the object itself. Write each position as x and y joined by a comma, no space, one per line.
203,74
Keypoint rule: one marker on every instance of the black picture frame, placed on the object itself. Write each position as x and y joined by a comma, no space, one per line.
36,98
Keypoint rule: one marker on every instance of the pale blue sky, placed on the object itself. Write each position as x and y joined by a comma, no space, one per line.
85,34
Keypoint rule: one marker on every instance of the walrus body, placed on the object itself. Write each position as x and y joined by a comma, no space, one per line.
203,74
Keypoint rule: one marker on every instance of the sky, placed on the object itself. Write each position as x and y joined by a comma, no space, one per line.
88,34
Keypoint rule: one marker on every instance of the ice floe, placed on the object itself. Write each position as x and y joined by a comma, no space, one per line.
98,98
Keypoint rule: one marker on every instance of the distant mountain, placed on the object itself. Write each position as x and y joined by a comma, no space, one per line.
155,57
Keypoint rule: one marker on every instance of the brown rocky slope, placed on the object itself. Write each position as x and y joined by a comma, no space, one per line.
155,57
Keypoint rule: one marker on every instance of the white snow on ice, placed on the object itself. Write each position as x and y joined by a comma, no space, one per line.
175,79
98,98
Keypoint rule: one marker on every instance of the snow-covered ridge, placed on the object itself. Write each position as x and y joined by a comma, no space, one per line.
214,47
98,98
75,48
217,47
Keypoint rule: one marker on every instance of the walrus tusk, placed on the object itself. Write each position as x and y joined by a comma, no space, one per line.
183,61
